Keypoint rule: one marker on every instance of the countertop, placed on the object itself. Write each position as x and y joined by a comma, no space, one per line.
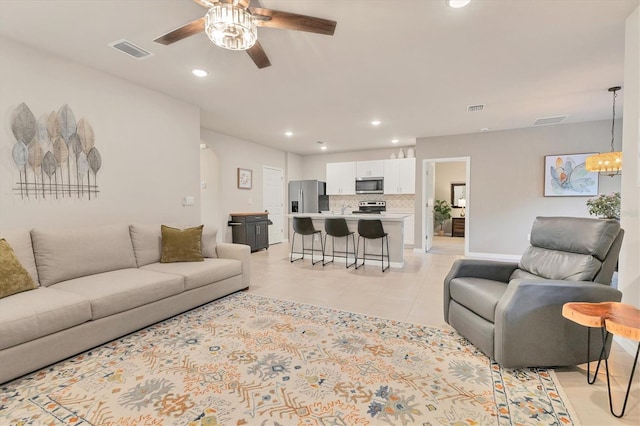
389,217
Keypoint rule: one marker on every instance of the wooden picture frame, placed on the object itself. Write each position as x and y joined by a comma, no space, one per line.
245,178
565,175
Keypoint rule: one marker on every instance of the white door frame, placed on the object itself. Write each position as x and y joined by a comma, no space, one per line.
467,233
266,195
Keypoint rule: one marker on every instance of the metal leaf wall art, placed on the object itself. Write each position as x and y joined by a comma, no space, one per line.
55,155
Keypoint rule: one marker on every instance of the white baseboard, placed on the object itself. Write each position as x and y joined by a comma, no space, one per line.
629,346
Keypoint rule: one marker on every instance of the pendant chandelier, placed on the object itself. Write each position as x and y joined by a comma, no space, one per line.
607,163
231,26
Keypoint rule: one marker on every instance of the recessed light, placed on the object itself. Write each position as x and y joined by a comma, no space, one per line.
376,122
484,129
200,73
323,147
394,141
457,4
289,133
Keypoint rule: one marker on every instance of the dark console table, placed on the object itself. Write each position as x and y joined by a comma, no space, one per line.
457,227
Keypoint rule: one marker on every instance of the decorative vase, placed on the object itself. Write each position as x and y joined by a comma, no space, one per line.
411,153
401,154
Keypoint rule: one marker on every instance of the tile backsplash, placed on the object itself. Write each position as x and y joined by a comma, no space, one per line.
403,202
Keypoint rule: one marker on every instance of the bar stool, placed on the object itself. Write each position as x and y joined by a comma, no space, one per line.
337,227
372,229
304,226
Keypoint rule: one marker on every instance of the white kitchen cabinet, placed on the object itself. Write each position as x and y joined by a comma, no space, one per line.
373,168
341,178
400,176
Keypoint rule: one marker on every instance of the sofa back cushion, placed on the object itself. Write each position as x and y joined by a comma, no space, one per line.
147,242
64,254
567,248
20,242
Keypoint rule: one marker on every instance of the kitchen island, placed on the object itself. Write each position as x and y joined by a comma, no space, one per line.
393,224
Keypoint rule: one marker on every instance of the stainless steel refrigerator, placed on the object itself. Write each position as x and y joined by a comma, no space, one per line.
308,196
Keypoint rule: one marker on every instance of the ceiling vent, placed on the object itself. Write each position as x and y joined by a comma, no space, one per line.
125,46
474,108
549,120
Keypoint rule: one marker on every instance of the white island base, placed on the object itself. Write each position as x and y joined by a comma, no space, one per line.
392,223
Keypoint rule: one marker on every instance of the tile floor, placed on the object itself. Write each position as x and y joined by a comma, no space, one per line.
414,294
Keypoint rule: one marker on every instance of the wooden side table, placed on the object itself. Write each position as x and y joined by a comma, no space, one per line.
612,318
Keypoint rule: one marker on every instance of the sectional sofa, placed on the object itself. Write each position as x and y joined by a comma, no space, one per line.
95,285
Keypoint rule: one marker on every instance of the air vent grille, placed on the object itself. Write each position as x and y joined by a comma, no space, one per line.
549,120
474,108
125,46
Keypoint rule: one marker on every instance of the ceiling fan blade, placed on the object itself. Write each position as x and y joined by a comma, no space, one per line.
292,21
193,27
259,57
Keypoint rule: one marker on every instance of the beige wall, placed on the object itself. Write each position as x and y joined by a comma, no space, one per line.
629,279
506,186
226,156
148,142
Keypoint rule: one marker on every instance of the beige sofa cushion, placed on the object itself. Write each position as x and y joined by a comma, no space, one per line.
20,242
147,242
117,291
40,312
198,274
71,253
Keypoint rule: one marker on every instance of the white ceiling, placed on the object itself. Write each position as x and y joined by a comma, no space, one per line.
413,64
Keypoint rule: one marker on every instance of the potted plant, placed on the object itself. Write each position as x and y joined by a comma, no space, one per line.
605,206
441,213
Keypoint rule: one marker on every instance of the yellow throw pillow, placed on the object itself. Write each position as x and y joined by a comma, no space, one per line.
181,245
13,277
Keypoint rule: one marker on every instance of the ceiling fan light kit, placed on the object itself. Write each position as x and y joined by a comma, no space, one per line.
231,27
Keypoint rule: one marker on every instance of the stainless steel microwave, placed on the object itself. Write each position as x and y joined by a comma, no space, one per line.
370,185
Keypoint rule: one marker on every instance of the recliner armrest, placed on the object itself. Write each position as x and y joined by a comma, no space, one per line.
487,269
529,316
239,252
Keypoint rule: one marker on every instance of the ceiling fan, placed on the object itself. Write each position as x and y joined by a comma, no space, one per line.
232,24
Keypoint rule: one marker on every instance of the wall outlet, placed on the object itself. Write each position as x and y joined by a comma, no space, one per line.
203,185
188,201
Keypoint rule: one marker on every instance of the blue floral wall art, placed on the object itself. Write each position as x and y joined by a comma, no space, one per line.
565,175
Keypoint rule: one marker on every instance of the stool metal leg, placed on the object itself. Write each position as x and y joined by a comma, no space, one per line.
313,239
346,255
293,242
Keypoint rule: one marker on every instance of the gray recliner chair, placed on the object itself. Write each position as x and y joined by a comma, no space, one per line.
513,311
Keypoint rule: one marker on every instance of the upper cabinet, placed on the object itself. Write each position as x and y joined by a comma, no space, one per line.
341,178
400,176
373,168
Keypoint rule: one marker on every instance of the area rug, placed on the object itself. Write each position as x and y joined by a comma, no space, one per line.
249,360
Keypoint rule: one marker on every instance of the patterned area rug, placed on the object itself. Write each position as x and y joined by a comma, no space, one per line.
248,360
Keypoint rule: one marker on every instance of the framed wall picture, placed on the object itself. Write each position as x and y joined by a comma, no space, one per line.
565,175
244,178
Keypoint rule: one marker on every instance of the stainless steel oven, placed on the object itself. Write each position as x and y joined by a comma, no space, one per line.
370,185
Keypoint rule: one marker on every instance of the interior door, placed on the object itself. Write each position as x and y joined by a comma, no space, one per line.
273,201
429,195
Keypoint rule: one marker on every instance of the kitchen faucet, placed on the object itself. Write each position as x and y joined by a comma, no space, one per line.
343,208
